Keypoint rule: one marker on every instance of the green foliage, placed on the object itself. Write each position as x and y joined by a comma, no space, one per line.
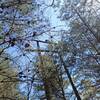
8,80
0,28
25,8
39,87
1,37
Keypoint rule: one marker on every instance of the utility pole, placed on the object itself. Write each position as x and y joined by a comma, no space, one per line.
46,83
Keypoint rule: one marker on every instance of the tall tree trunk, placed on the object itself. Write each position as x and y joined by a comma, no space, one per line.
70,79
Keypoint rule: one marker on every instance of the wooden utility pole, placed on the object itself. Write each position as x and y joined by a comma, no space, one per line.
48,91
51,80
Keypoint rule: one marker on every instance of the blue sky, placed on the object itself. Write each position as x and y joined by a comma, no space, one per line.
52,14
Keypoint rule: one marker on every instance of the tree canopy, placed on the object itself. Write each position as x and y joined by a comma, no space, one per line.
49,50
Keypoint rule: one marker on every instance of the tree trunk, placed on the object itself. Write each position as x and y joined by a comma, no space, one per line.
70,79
